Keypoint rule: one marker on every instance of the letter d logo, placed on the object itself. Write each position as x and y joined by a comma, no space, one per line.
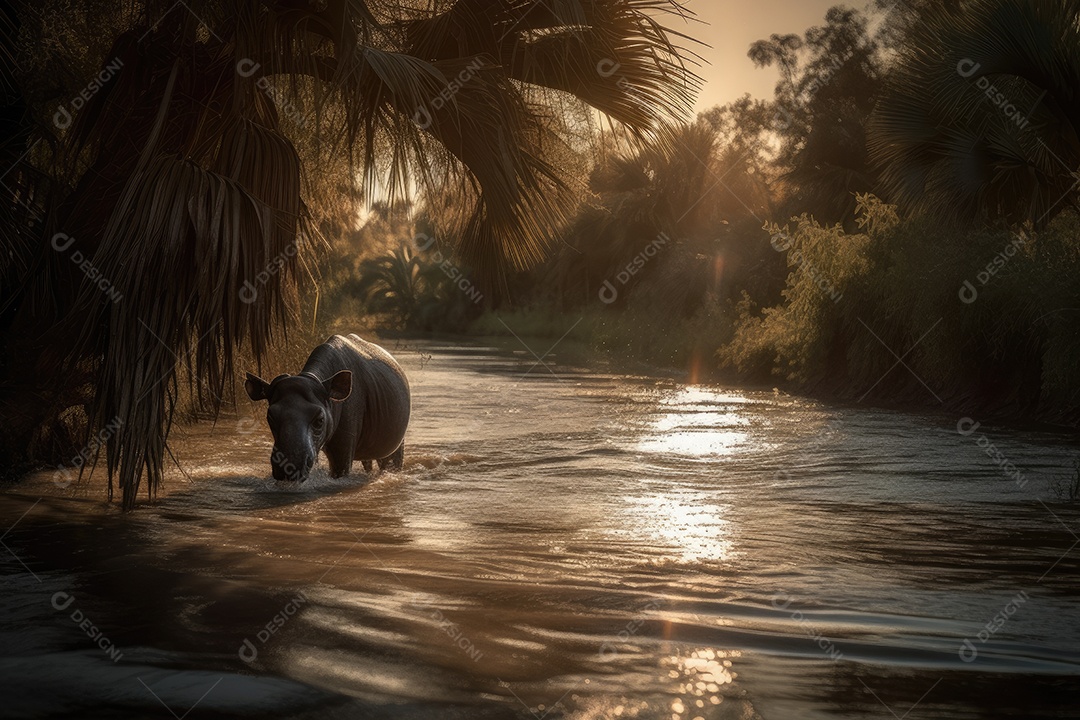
967,67
781,600
423,242
62,478
62,601
782,119
61,242
782,242
247,67
608,293
423,118
248,652
248,293
967,427
607,67
968,293
62,118
968,653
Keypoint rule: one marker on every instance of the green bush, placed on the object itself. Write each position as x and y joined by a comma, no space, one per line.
895,291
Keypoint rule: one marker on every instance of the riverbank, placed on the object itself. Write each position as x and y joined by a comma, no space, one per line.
904,313
680,350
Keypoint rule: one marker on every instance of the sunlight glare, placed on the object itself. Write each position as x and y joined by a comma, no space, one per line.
699,423
691,526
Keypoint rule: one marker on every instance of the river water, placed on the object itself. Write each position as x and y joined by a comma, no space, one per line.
562,543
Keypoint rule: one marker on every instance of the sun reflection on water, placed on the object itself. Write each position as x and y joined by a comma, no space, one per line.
701,676
692,526
697,422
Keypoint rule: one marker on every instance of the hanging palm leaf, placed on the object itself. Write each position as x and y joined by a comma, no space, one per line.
189,177
982,113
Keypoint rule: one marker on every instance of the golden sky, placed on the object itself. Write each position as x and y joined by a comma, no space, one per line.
732,26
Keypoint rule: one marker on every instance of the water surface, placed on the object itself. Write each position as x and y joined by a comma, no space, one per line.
562,543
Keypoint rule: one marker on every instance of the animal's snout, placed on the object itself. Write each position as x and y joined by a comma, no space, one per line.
285,469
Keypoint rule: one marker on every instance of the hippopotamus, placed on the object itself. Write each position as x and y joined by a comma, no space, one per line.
351,401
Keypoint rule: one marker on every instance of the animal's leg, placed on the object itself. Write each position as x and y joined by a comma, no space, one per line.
394,461
340,463
367,466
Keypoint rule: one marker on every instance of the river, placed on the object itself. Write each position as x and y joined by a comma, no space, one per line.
563,542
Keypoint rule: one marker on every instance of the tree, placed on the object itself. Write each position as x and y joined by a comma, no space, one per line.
829,80
981,114
215,139
684,207
392,284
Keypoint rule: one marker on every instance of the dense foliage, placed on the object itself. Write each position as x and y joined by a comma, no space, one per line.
171,171
899,222
882,206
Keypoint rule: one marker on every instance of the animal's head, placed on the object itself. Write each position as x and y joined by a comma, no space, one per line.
301,417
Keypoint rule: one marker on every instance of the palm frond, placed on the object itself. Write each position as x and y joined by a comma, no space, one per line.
230,266
188,177
981,116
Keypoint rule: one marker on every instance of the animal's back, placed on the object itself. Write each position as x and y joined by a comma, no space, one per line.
369,351
381,392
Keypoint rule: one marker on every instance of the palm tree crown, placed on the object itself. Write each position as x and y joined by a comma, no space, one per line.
195,179
982,111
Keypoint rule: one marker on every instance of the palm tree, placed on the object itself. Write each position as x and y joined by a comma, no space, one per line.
981,114
393,284
196,177
678,201
416,291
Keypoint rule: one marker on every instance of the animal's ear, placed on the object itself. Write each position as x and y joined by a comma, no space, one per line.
340,386
257,388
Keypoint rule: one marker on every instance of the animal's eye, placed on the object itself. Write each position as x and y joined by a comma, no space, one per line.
317,423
